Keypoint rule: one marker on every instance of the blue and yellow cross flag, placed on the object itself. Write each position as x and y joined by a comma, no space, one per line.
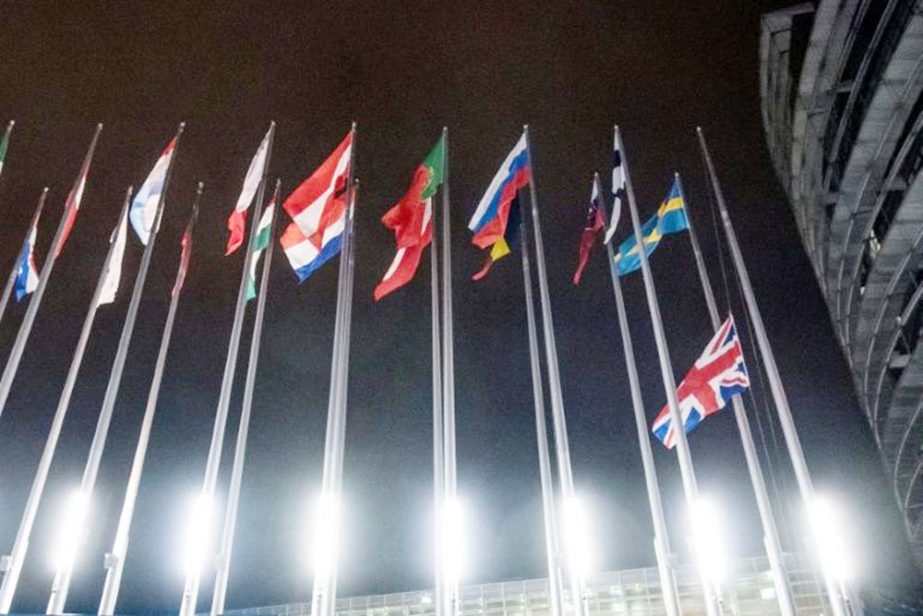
670,218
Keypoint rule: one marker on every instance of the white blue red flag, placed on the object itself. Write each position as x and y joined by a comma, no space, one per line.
618,189
27,273
144,206
318,211
717,375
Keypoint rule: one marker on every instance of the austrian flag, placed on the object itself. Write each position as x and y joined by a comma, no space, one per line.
318,211
717,375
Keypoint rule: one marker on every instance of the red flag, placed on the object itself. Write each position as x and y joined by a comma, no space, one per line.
594,223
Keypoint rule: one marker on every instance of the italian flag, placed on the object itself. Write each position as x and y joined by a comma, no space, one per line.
411,219
260,242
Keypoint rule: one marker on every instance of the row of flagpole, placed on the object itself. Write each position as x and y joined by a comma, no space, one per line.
561,565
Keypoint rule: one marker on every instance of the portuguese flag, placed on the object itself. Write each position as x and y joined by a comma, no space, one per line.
411,219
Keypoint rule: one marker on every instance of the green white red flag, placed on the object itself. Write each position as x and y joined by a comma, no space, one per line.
260,242
412,221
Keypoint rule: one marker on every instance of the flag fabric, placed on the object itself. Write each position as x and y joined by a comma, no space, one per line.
717,375
594,223
4,144
237,222
618,190
670,218
144,205
490,221
318,211
72,206
27,272
114,271
185,257
412,221
260,242
505,244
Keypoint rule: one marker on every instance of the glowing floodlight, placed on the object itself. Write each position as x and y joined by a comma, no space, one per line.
196,540
709,539
71,531
576,536
830,533
452,528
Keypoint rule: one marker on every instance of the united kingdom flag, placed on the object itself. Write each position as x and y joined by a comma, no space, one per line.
718,374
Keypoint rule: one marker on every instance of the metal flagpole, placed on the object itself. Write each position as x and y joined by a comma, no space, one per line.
439,394
25,328
4,143
771,533
549,515
14,272
690,487
661,537
240,450
562,448
62,580
796,454
115,560
450,586
23,535
210,480
323,596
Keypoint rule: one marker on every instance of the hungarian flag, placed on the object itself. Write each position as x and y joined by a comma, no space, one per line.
412,221
594,223
260,242
237,222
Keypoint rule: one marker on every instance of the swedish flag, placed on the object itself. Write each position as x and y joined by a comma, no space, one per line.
670,218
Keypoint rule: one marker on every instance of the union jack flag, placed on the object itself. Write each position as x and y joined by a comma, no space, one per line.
718,374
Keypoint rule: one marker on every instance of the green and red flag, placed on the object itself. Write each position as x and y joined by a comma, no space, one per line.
411,219
260,242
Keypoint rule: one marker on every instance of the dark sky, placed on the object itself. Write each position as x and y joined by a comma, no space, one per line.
402,70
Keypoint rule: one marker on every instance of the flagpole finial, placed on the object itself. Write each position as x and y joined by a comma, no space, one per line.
676,175
596,175
525,128
445,130
272,124
182,127
698,129
200,188
615,127
12,123
353,126
45,190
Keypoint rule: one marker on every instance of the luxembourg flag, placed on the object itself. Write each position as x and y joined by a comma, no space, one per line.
144,205
318,211
27,273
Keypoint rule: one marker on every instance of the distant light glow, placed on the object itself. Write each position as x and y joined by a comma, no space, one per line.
71,531
709,539
577,545
830,536
323,548
452,529
197,538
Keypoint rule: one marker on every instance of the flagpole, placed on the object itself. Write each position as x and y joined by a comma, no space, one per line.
690,487
834,590
14,272
5,142
21,544
770,532
323,599
440,397
62,580
240,450
25,328
661,536
115,560
562,448
549,516
210,480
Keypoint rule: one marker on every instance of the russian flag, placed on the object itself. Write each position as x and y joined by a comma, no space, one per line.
318,211
144,206
490,219
27,272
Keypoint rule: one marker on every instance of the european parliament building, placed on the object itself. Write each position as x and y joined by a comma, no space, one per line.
841,84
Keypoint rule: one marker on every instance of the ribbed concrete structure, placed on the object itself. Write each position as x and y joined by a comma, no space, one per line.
841,84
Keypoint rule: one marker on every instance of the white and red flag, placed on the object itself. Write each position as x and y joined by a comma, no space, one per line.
237,222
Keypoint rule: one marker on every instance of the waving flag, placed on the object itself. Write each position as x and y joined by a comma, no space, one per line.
260,242
114,272
594,222
144,206
412,221
318,211
237,222
492,217
618,190
717,375
27,275
670,218
186,254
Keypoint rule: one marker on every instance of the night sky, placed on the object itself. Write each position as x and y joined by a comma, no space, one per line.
402,71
